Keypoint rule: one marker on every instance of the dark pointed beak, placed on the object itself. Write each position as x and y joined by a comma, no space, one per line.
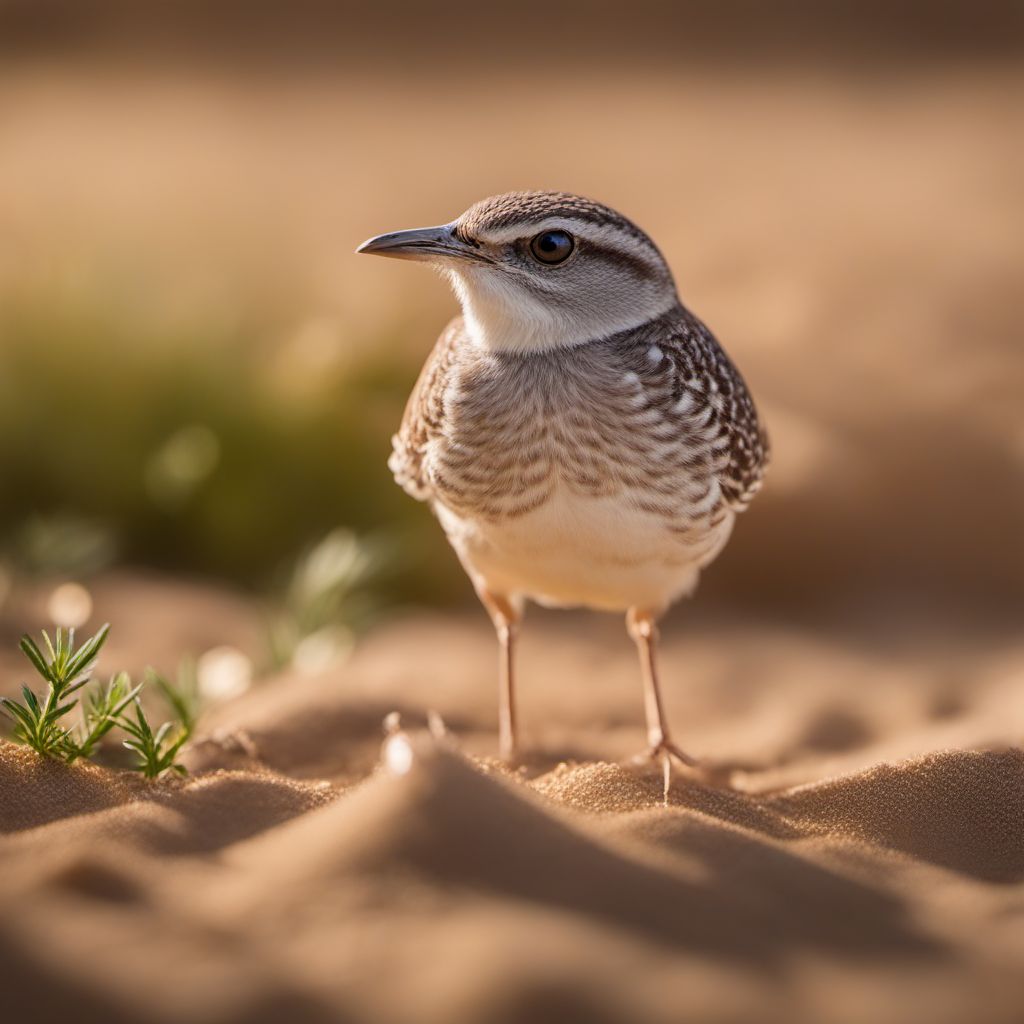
422,244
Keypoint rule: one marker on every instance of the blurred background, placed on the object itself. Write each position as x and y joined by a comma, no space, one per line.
199,380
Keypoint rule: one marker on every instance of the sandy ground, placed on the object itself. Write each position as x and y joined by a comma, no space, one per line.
868,864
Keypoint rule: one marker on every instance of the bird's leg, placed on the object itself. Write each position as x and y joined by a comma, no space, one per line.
643,629
506,618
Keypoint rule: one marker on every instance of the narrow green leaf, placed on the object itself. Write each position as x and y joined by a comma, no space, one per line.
73,688
161,734
31,651
49,645
89,650
51,699
61,711
127,699
30,700
21,714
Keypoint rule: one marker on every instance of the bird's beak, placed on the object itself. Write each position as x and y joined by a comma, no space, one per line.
422,244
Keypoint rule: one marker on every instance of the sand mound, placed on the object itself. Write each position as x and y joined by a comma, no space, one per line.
34,791
446,824
961,809
887,888
40,799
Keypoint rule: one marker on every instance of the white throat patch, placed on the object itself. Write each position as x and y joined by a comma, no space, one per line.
500,315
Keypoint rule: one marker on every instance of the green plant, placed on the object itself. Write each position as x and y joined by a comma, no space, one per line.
103,709
326,599
182,696
39,722
157,751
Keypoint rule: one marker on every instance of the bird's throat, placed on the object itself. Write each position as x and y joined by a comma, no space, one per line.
501,317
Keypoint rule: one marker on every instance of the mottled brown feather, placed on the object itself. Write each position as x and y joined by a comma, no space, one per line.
658,414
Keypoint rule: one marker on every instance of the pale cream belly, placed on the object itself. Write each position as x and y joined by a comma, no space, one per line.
577,550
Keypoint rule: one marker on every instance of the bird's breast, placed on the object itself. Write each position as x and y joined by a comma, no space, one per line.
587,438
576,487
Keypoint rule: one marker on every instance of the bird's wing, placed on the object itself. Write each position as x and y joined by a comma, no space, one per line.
424,415
721,407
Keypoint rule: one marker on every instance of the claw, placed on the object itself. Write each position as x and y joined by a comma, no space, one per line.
664,752
666,748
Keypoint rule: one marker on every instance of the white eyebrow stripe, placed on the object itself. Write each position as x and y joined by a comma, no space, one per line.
605,234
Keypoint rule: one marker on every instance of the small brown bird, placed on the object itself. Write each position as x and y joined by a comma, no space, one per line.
580,435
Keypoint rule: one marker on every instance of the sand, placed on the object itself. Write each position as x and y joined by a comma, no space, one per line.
867,864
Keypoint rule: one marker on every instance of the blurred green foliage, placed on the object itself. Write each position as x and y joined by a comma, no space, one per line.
219,448
328,597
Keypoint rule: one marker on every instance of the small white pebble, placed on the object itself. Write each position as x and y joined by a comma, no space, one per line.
398,756
435,723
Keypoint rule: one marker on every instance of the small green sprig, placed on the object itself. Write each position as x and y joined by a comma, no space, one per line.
182,696
156,751
103,710
38,722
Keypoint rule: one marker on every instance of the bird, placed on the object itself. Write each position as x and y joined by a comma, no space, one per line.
582,438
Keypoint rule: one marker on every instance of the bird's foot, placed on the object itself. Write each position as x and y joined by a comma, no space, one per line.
663,749
664,752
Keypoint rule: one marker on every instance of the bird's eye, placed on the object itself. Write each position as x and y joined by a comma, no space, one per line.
552,246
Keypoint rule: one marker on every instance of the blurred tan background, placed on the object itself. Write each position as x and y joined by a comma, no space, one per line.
199,378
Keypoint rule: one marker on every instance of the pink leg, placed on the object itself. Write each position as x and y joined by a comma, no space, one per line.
506,618
643,629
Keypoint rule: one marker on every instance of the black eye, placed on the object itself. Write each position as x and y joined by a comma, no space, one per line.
552,246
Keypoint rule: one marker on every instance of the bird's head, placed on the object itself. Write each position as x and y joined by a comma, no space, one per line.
539,270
